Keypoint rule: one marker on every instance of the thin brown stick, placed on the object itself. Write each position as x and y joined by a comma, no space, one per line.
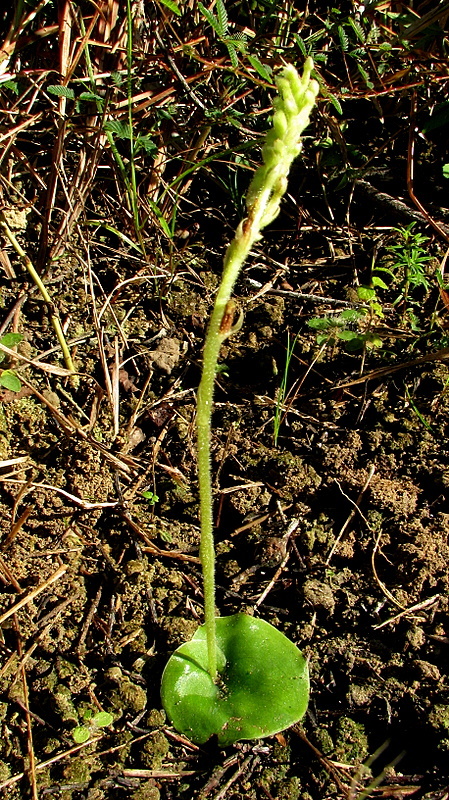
54,316
79,501
152,548
352,514
44,764
326,763
439,355
126,464
380,583
291,529
88,621
30,746
9,577
430,601
34,593
157,773
411,169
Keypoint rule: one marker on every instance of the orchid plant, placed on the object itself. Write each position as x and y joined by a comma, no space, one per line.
239,677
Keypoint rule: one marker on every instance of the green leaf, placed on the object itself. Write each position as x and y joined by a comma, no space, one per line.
263,684
222,17
376,281
145,143
120,129
355,344
357,28
172,6
301,45
117,78
80,734
372,340
335,102
102,719
11,339
151,497
160,218
61,91
439,117
364,75
9,380
347,336
232,53
350,315
445,170
344,41
90,97
212,20
12,85
261,69
319,323
366,292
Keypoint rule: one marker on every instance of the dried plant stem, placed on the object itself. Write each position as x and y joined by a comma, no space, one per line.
292,109
55,321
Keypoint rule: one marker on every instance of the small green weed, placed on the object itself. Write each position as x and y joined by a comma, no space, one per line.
151,498
93,724
8,378
408,266
234,43
278,414
330,329
416,410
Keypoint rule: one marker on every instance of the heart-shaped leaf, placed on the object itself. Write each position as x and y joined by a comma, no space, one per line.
262,687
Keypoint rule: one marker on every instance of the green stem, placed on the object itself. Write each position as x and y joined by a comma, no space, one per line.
235,258
55,321
292,111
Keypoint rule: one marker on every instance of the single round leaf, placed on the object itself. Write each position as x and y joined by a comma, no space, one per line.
263,684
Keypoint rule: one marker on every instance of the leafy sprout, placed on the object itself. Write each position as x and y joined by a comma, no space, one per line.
98,721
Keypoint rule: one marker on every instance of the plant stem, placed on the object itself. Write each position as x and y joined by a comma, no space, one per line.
55,321
129,89
292,111
235,257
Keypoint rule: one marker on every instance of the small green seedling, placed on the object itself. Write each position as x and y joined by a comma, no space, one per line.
100,720
279,410
151,498
409,260
239,677
8,378
345,327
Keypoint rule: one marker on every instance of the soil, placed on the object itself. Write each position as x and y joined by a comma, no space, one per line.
354,493
337,532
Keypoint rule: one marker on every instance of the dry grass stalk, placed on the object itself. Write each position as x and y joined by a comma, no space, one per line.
34,593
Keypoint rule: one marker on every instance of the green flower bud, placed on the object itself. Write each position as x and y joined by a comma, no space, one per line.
292,106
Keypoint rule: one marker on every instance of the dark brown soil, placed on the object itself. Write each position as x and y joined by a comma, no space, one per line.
354,493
